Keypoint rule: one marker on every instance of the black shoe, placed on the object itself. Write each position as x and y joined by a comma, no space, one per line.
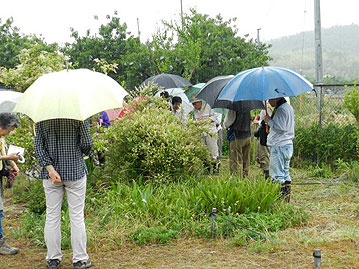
82,264
53,264
286,190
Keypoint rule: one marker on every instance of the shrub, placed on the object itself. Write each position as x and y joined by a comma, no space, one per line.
351,100
327,144
151,143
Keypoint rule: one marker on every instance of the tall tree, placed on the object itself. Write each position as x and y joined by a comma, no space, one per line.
33,63
200,48
113,44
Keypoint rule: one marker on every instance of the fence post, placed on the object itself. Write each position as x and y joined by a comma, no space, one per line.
214,211
320,105
317,258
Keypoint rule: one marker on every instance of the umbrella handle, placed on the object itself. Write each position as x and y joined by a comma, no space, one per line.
265,105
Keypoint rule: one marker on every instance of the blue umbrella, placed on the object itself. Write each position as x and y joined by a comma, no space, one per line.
264,83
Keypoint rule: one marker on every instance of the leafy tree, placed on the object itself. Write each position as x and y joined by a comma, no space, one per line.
201,48
34,62
12,42
115,45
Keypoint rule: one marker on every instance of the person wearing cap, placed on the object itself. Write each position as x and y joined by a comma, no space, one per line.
205,112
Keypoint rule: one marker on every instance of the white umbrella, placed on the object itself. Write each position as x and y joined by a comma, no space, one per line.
8,100
186,104
70,94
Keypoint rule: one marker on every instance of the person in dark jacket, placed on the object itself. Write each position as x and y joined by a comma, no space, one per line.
238,127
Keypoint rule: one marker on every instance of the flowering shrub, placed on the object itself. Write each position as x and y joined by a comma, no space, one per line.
152,144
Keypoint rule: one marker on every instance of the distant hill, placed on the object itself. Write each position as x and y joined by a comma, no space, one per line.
340,52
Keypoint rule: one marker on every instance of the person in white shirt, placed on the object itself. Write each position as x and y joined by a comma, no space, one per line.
177,109
280,142
205,112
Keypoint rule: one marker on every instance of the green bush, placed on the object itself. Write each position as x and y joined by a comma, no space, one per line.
327,144
158,213
152,144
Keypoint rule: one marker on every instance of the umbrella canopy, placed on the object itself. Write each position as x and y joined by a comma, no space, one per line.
195,89
264,83
186,104
168,81
71,94
214,87
8,100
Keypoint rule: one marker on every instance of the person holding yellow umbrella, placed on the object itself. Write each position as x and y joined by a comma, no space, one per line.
59,103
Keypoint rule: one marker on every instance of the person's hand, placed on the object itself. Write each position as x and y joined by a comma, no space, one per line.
12,157
16,169
54,176
266,119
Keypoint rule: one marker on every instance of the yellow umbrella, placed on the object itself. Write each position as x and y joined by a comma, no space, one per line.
70,94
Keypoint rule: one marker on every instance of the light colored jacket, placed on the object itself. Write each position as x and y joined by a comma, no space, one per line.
206,112
181,115
281,131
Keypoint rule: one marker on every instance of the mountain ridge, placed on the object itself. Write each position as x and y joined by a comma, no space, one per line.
340,52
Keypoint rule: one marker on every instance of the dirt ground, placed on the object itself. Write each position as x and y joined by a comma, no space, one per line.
332,228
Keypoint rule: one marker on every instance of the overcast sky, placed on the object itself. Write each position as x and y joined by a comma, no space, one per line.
275,18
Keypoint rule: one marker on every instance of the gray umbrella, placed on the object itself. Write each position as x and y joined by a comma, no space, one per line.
168,81
213,88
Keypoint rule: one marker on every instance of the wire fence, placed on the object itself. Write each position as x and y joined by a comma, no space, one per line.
323,107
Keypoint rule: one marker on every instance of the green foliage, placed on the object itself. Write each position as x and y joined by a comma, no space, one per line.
322,171
205,47
238,196
152,144
114,45
153,235
34,62
11,43
351,100
158,213
326,144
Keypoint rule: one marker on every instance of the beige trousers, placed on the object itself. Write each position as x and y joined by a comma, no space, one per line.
75,192
211,143
239,161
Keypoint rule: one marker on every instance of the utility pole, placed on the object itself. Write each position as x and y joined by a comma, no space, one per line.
258,41
318,56
138,28
181,14
318,43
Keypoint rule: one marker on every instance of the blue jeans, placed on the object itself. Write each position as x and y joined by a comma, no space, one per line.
1,216
279,162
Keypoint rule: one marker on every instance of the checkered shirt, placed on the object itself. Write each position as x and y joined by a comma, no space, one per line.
62,143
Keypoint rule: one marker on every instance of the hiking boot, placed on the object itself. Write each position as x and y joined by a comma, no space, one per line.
5,249
82,264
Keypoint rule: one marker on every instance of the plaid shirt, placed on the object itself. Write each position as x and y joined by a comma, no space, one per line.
62,143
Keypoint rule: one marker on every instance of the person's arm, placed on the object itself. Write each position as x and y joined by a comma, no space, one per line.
42,154
40,150
85,139
229,118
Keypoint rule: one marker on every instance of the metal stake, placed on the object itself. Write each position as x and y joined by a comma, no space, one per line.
317,258
214,211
